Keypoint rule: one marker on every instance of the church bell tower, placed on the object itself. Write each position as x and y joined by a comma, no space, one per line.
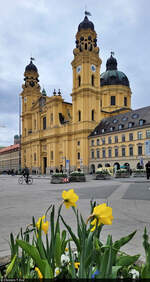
86,74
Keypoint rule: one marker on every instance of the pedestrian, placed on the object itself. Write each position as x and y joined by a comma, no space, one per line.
26,173
148,169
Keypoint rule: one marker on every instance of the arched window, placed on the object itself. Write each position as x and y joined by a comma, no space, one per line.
79,115
92,80
44,122
85,46
92,116
79,80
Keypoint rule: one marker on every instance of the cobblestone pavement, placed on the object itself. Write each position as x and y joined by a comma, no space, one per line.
129,199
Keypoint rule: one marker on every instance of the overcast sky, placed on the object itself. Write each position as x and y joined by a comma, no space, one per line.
46,29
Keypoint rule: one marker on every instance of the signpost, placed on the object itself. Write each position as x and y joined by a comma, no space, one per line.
68,166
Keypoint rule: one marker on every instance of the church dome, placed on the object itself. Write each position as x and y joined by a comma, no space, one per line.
112,76
86,24
31,67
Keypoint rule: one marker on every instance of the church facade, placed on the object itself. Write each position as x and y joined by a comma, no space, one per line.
55,132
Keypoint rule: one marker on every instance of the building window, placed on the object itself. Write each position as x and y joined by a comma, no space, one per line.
125,101
123,138
34,156
123,152
103,153
130,136
130,124
92,80
92,154
52,156
116,152
113,100
78,156
92,142
79,81
112,128
120,126
109,140
51,118
139,150
109,153
78,143
92,116
141,122
139,135
34,123
98,142
103,141
44,122
147,133
79,115
97,154
130,151
116,139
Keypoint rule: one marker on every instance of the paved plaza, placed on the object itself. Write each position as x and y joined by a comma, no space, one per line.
129,199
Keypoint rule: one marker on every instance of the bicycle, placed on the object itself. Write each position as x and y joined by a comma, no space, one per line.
22,179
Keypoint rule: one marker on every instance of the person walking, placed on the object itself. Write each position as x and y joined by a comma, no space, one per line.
26,173
148,169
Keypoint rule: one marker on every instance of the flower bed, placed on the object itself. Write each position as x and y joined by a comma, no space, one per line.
58,178
139,173
122,173
77,176
102,174
52,257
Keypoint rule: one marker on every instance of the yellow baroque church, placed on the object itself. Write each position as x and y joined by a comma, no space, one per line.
55,132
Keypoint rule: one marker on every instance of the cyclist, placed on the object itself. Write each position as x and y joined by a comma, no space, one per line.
26,173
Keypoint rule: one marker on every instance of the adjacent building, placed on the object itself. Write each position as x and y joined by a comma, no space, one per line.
121,140
82,134
10,157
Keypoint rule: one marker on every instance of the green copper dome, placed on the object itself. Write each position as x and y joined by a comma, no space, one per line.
112,76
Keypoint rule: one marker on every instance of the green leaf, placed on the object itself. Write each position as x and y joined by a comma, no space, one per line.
146,246
57,250
33,252
63,241
124,240
73,236
118,244
145,273
115,271
10,266
106,263
127,260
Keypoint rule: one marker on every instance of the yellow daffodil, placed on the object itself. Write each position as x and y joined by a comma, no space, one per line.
102,214
70,198
39,221
44,224
76,265
39,273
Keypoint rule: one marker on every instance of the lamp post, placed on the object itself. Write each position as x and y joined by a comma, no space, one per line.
19,134
64,158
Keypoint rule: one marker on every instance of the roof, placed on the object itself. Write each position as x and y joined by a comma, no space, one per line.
112,76
31,67
9,148
85,24
128,120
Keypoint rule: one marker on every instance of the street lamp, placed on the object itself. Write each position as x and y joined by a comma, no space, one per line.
19,133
